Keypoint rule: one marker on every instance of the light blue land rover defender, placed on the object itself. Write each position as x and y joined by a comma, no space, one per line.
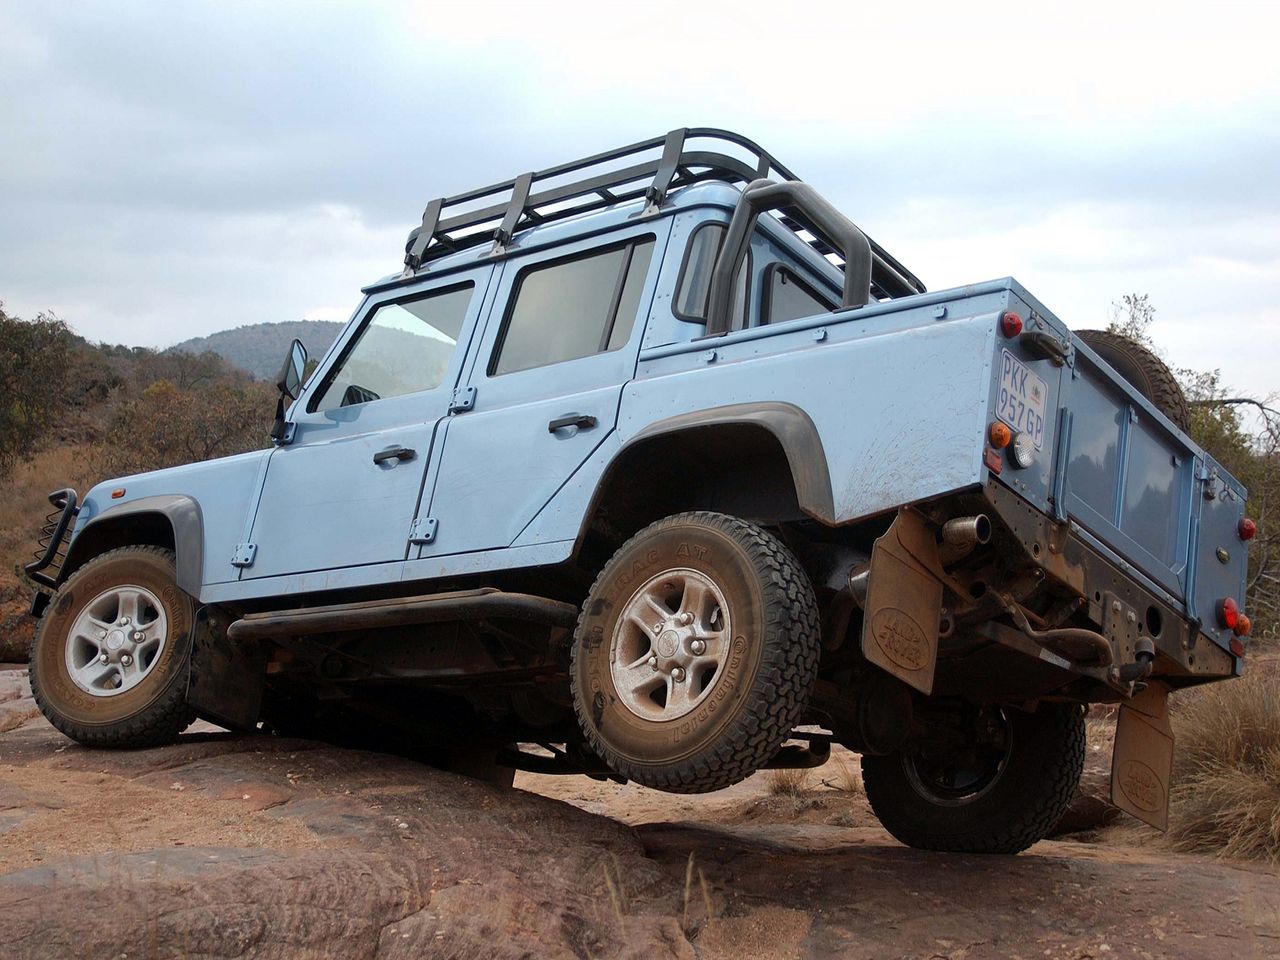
653,466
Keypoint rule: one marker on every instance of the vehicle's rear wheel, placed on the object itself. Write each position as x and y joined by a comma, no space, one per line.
999,784
109,662
695,653
1144,370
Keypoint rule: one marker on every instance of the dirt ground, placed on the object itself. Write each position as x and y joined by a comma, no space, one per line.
230,846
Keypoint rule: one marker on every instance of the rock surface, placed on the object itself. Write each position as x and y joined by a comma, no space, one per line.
225,846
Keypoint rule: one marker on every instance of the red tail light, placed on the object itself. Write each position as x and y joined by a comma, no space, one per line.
1228,613
1010,324
1248,529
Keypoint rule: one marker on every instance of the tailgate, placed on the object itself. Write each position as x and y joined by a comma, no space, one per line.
1127,479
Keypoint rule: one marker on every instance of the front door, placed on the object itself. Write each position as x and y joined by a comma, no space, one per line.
345,492
559,344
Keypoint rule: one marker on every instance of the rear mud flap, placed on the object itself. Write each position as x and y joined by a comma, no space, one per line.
904,602
1142,762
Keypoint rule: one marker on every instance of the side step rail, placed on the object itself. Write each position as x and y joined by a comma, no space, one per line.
479,604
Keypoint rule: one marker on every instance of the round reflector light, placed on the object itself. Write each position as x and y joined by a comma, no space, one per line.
1000,435
1243,626
1010,324
1248,529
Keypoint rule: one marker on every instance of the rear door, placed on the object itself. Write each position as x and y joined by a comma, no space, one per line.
547,375
345,492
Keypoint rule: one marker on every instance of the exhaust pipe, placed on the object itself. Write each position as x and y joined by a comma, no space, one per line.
959,536
967,532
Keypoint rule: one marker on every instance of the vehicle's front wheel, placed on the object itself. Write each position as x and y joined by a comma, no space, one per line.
108,666
695,653
998,782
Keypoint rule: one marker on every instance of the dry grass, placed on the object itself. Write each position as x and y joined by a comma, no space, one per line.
788,783
842,774
1226,794
24,498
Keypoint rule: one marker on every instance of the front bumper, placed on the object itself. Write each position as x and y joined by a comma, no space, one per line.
45,569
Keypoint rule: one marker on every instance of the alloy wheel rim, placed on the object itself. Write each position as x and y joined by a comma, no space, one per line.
116,640
670,645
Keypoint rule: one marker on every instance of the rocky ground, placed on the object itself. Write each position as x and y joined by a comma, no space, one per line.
227,846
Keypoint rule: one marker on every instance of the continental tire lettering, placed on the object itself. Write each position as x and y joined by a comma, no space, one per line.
725,686
900,638
1141,785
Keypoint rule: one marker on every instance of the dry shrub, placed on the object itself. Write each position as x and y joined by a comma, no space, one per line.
842,775
1226,794
788,783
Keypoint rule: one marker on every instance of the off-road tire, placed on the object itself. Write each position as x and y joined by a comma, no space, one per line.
1026,802
775,645
1144,370
152,713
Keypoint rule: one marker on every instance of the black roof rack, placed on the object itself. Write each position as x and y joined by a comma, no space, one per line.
645,170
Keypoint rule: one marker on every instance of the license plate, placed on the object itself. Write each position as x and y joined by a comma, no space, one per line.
1022,398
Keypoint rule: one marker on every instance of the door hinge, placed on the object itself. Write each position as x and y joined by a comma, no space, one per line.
423,530
243,557
464,398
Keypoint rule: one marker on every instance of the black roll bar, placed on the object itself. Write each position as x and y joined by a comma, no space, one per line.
760,196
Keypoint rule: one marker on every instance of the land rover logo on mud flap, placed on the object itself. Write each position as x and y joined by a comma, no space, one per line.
1141,785
900,638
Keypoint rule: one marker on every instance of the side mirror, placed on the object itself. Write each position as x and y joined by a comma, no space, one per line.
290,384
295,364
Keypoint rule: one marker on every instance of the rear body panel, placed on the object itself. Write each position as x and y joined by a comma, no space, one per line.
1127,480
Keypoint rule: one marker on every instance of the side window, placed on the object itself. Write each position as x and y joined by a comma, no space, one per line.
404,348
693,291
573,308
787,297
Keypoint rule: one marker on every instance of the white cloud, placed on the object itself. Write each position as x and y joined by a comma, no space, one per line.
173,169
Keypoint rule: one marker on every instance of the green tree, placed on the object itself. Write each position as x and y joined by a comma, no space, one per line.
34,360
1131,316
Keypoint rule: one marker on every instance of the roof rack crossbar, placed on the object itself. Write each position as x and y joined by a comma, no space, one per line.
646,170
517,200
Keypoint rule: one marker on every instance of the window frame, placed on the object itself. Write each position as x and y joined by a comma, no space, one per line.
629,244
353,341
748,266
793,275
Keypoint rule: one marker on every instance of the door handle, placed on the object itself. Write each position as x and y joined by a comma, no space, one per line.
583,421
394,453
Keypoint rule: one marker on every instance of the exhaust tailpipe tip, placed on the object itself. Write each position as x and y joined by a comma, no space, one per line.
967,531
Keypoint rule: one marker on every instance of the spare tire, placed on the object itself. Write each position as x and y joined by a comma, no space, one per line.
1144,370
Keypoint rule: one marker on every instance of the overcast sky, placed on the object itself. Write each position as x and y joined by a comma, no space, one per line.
170,169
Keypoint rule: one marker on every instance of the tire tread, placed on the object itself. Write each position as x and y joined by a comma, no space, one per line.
781,686
157,724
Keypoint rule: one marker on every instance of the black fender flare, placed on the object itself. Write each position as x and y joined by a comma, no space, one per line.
108,530
789,425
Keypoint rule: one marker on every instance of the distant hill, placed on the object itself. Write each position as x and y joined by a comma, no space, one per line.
259,347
